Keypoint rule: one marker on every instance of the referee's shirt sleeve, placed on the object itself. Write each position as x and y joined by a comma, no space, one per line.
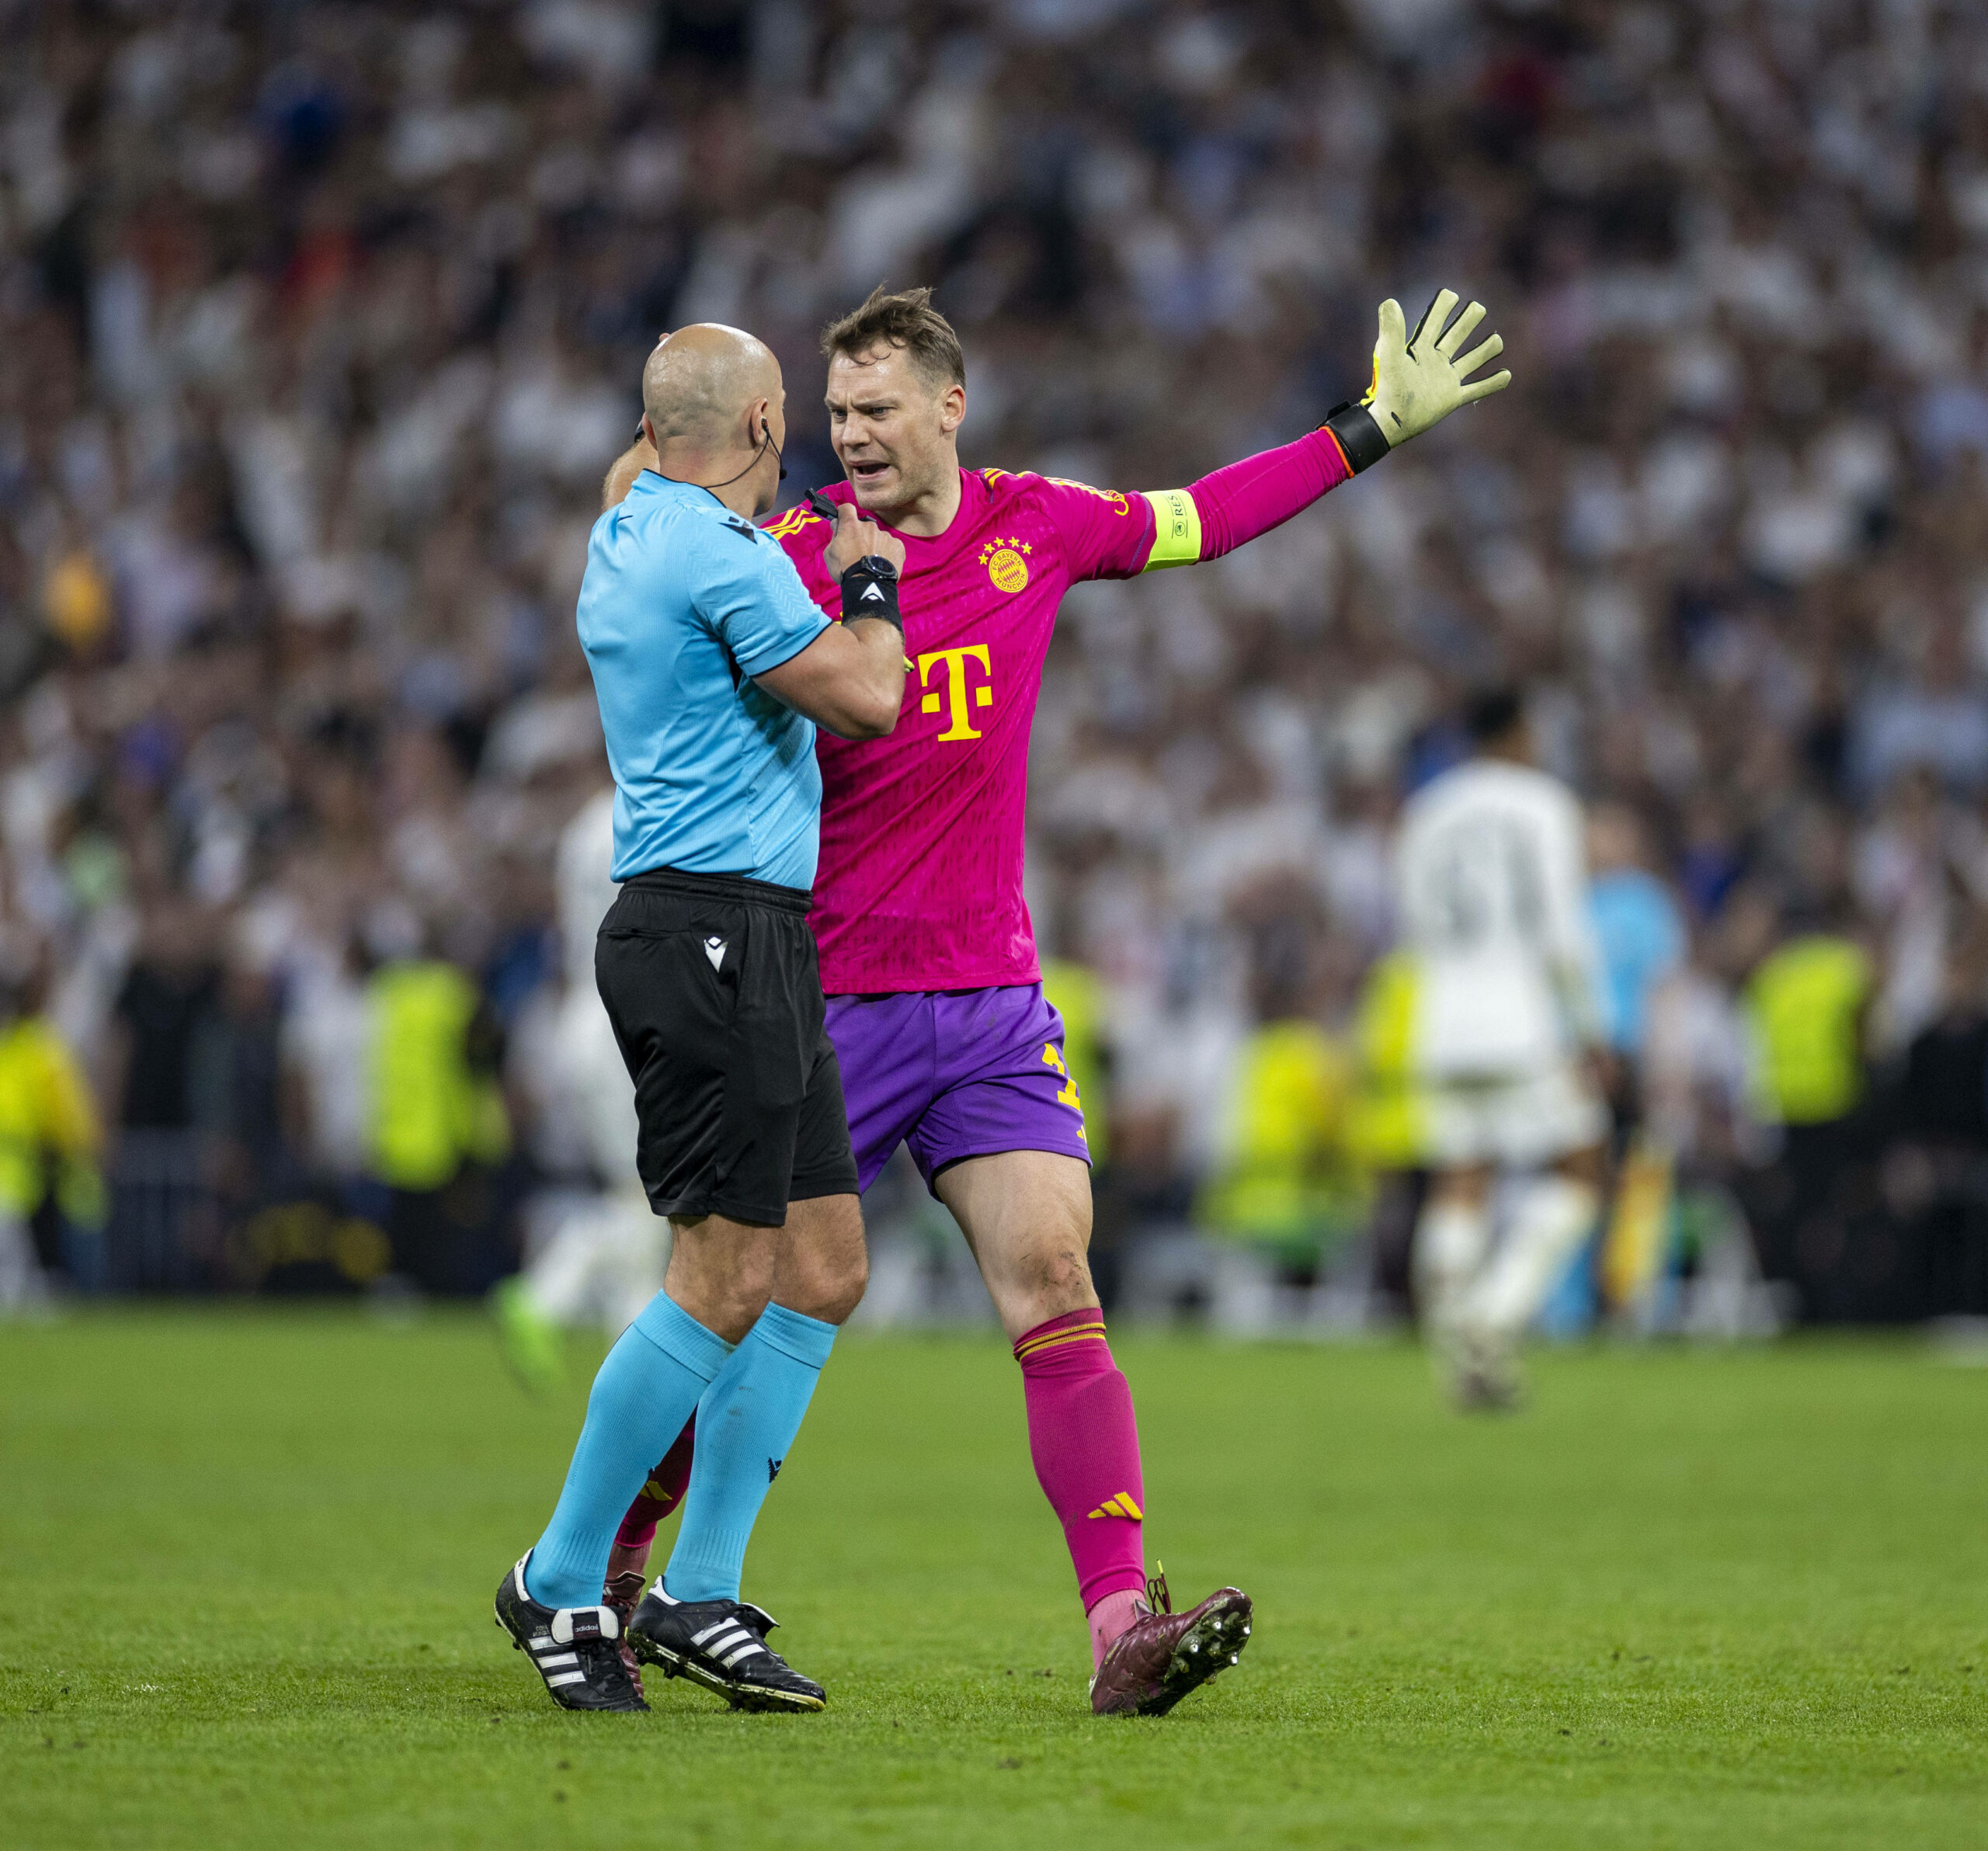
755,602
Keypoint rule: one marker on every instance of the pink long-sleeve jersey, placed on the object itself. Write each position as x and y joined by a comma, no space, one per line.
919,884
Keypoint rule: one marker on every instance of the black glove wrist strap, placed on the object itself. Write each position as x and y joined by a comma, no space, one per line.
870,589
1359,435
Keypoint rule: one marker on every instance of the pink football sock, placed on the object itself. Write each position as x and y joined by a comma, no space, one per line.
1110,1618
662,1493
1085,1441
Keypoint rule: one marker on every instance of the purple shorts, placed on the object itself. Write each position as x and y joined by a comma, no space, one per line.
954,1073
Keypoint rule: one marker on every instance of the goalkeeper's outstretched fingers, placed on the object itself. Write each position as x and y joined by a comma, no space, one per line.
1418,379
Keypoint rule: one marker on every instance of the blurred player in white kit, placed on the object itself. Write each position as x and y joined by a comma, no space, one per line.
604,1260
1492,885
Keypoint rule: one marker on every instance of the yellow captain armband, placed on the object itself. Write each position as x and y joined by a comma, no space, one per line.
1177,538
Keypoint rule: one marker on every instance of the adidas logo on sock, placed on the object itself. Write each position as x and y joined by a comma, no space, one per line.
1120,1505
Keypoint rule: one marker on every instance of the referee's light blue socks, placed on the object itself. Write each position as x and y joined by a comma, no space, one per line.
652,1378
746,1423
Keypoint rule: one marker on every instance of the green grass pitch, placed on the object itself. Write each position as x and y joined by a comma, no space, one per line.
1691,1600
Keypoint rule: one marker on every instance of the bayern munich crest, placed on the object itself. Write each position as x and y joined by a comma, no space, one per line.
1006,564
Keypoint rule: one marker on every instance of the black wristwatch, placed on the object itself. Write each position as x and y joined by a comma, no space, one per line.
870,589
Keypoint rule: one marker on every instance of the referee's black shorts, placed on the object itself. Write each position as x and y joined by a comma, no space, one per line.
712,984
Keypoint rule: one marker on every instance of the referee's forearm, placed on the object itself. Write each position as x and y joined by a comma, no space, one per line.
850,681
885,663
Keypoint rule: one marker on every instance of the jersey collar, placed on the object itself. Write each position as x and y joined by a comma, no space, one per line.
960,529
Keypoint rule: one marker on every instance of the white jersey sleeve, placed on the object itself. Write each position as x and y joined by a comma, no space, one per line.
588,1059
586,852
1492,880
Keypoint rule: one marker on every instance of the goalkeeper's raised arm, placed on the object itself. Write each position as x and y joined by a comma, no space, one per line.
1419,380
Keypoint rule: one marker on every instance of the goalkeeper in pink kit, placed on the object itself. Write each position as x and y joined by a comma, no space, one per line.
935,1000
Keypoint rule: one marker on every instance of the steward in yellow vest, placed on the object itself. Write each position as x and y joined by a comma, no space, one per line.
436,1102
1385,1130
437,1122
1806,1004
1287,1181
50,1137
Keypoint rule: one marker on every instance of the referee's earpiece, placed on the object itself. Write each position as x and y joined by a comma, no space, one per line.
766,441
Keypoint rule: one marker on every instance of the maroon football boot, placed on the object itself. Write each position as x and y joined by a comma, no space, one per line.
628,1575
1162,1655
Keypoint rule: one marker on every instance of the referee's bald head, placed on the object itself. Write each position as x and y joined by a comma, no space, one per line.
700,381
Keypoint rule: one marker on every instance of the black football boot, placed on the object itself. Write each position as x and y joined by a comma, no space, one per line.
720,1644
575,1648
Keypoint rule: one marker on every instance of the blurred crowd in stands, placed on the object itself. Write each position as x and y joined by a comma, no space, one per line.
319,325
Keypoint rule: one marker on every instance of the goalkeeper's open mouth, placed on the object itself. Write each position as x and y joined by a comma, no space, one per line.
868,472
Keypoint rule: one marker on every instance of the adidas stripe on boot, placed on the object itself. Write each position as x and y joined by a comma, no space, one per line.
720,1644
574,1648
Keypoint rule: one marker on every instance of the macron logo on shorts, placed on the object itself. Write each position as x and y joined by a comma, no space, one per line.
714,950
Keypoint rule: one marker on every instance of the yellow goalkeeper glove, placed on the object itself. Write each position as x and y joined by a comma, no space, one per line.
1418,379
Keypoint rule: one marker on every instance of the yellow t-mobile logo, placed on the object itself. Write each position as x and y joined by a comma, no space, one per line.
956,687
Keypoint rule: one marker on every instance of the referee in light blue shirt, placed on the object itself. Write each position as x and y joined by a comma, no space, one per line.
713,666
